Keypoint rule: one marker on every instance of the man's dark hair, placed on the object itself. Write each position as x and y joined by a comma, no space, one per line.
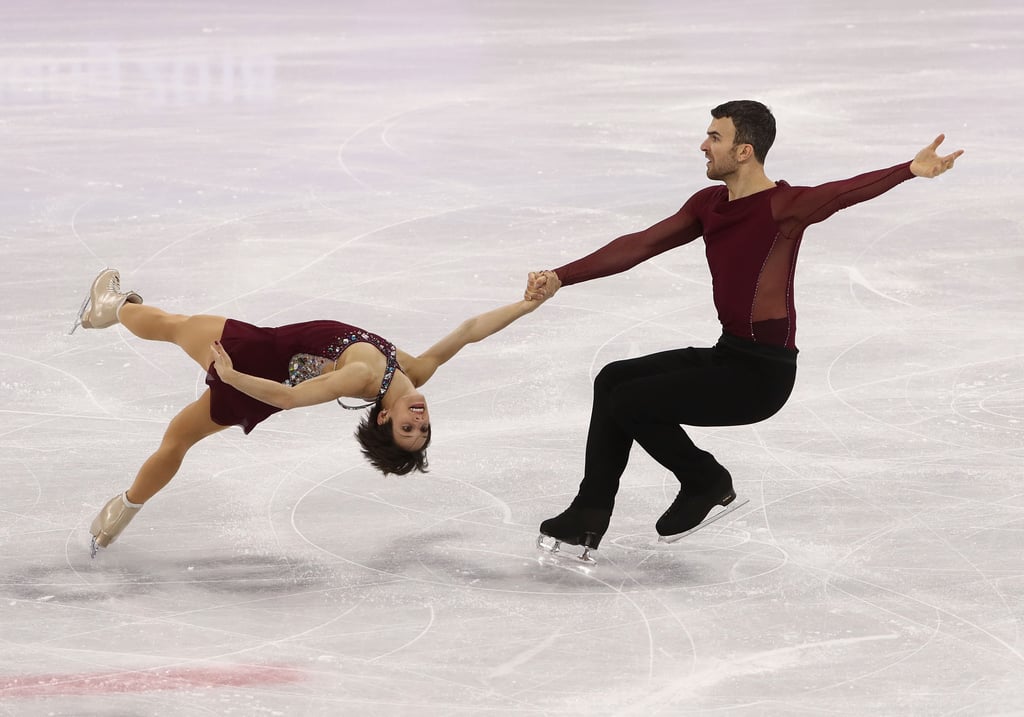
380,449
754,122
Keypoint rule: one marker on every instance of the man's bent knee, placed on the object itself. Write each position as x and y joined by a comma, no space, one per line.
612,375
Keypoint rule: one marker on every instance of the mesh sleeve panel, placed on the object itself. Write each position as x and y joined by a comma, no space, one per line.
629,250
800,207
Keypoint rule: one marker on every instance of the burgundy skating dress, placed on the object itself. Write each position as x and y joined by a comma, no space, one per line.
287,354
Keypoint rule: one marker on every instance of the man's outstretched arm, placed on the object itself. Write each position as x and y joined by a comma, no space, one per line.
802,206
622,253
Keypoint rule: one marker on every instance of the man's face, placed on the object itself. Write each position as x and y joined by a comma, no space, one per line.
719,149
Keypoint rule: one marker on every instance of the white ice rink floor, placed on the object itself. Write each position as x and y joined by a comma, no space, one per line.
401,166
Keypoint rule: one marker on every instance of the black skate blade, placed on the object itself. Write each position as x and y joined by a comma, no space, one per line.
554,552
706,522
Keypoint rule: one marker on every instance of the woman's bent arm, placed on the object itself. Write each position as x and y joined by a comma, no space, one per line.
350,380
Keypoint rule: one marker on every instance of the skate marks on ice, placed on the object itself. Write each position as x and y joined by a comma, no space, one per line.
131,572
486,549
719,555
636,563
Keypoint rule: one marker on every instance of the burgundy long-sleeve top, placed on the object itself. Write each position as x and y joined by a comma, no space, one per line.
751,246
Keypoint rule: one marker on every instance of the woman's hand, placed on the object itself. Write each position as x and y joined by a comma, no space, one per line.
222,362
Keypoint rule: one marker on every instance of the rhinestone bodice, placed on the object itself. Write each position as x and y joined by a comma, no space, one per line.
304,366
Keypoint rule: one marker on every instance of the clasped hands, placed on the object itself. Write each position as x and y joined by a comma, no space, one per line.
541,285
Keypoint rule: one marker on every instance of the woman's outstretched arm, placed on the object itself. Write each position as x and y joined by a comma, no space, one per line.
469,331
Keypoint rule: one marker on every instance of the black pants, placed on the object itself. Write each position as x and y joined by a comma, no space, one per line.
645,399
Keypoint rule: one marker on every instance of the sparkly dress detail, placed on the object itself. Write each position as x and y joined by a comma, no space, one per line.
303,367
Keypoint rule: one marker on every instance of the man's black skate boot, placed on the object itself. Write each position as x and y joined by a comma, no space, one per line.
690,508
576,525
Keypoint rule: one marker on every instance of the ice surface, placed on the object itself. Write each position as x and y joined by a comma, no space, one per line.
402,165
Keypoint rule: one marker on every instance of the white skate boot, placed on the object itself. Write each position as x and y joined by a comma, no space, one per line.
115,516
105,299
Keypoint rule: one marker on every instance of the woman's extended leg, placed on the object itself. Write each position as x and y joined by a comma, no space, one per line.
107,305
193,334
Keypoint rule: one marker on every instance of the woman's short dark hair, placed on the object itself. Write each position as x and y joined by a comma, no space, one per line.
379,447
754,123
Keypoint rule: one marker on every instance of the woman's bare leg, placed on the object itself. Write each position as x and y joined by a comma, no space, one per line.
190,426
186,429
193,334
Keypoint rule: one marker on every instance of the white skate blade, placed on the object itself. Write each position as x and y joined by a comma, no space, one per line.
554,552
81,313
706,522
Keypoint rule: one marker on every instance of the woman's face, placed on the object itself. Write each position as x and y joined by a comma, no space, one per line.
410,421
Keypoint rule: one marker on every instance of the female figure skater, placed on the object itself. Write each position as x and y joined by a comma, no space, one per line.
254,372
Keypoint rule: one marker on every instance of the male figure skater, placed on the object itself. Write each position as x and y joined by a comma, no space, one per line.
752,227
